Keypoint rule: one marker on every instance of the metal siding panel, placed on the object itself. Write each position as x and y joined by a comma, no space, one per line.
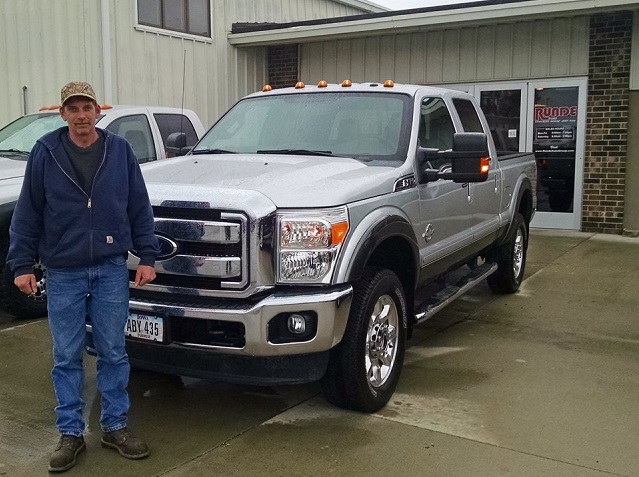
329,63
402,58
522,45
540,58
560,46
417,58
344,60
471,42
358,62
504,38
434,57
371,59
388,59
581,46
451,56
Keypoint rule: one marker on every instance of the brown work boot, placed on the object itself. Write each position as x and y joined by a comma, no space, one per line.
126,443
63,457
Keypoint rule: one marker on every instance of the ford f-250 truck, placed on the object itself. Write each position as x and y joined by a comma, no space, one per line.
147,129
297,233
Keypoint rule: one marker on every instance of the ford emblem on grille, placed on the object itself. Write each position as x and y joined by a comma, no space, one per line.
168,247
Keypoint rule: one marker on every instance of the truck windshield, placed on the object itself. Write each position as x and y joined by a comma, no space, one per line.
365,126
18,138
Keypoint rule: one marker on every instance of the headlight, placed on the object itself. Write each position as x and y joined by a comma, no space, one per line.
308,243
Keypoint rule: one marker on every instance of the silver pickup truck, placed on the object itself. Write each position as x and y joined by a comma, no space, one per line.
297,234
147,128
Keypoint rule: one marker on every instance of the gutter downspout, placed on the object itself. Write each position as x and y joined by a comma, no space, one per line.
106,51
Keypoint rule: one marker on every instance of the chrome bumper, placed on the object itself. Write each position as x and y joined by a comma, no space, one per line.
331,306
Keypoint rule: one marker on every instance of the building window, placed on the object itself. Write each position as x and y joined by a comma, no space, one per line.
186,16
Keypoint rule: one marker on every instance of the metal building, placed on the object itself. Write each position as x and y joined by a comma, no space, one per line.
558,77
147,52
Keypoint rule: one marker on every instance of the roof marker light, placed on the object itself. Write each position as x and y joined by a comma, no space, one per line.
266,88
389,84
347,83
299,85
322,84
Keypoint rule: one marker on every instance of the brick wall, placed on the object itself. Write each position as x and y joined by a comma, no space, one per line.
607,122
282,65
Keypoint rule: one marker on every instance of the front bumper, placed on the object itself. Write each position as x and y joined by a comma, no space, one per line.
257,359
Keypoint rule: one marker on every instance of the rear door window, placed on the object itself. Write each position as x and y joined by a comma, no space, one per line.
172,123
137,131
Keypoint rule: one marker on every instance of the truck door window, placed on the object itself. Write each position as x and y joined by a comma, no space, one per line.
172,123
436,127
468,115
136,130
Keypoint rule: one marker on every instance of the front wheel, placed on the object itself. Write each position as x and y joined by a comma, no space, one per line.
510,258
365,367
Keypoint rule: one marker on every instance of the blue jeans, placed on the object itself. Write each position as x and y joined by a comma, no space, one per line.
101,292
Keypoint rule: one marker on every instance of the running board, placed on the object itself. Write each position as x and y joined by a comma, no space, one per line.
445,296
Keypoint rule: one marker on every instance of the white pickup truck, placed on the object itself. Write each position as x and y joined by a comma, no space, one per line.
147,130
313,227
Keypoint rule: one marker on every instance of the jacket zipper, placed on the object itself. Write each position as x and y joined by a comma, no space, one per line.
89,201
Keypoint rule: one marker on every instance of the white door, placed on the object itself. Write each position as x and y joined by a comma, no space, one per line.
556,133
547,117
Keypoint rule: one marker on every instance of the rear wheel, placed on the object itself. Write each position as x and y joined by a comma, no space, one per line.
365,367
510,258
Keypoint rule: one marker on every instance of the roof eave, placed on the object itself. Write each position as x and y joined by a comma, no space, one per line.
420,20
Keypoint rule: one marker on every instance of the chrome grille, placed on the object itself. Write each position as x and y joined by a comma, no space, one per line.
210,252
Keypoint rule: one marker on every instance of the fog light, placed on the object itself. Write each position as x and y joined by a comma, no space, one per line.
296,324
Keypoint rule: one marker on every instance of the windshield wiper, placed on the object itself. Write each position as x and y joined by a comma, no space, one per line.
15,151
296,152
212,151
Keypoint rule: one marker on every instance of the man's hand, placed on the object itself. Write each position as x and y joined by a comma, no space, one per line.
144,275
27,283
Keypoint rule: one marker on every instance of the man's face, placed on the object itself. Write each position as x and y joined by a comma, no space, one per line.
81,115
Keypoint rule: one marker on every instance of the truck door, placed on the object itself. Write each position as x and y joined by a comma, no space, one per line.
445,221
485,196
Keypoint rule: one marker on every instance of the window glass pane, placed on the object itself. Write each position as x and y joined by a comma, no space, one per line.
199,17
22,134
502,109
149,12
135,129
436,127
172,123
369,127
468,115
174,15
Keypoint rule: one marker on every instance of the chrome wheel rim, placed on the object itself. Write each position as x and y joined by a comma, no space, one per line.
381,341
518,253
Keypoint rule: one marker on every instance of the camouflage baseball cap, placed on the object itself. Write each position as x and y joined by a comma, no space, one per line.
77,88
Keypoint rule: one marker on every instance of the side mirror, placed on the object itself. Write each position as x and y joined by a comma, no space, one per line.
176,144
469,159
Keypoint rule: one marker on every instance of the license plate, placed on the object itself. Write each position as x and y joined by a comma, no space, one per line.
145,327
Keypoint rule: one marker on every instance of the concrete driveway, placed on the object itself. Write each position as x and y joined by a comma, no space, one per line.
544,382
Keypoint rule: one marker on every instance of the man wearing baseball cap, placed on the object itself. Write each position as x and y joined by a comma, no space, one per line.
82,207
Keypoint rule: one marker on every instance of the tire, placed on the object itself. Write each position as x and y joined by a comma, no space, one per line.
510,258
364,368
16,303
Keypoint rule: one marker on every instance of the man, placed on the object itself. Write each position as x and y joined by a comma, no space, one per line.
82,207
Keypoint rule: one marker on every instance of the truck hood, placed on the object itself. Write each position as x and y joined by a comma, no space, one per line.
11,168
288,181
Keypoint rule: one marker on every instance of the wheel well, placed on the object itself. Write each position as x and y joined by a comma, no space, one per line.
526,205
396,254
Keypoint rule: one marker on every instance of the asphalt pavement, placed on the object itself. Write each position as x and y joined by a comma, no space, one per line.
544,382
